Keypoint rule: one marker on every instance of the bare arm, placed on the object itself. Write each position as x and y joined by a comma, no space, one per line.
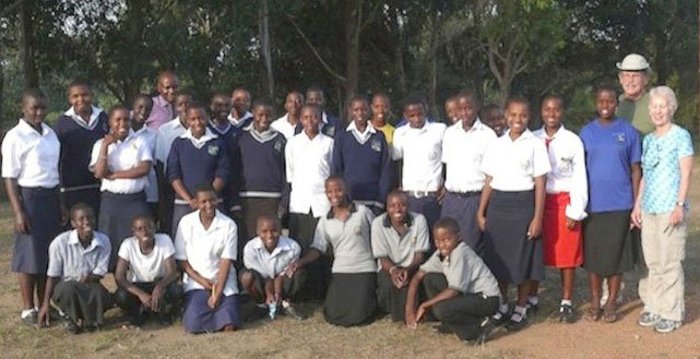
536,224
483,203
21,220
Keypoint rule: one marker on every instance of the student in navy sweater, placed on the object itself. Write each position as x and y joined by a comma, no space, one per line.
361,157
78,129
198,157
220,108
260,165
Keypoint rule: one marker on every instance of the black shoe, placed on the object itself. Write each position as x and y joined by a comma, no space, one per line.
91,328
31,318
566,314
164,319
501,318
486,328
137,318
70,326
443,329
294,312
514,326
532,308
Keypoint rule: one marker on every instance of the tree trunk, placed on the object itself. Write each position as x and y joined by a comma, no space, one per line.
399,53
31,75
353,27
265,49
697,101
433,65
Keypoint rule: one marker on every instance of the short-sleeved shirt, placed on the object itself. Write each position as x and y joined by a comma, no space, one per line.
144,268
387,243
662,171
350,240
122,156
462,152
31,157
69,261
149,136
464,270
308,166
270,264
611,150
636,112
203,247
514,165
421,152
167,133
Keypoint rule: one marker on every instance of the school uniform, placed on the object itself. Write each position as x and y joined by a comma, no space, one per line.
462,152
162,112
331,120
363,160
32,158
123,199
308,164
265,265
261,181
351,296
70,262
167,133
611,150
283,126
203,248
149,136
196,162
401,250
77,139
567,197
388,131
513,166
239,125
421,152
227,134
145,271
465,272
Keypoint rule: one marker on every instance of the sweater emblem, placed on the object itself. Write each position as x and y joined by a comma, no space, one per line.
278,146
213,150
376,145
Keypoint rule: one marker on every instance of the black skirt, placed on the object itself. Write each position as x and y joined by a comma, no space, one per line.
509,254
607,243
351,299
117,211
31,251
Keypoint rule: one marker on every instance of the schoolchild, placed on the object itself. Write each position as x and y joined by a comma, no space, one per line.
381,116
140,109
240,116
290,124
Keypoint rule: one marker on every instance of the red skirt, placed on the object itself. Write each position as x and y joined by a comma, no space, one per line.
563,247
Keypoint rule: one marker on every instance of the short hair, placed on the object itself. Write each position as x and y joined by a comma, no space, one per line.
262,103
316,88
382,95
554,97
33,92
667,94
315,108
516,99
241,89
204,187
116,108
81,206
605,87
447,223
143,217
469,95
196,105
414,100
165,73
335,178
268,217
144,97
397,193
219,94
79,83
185,92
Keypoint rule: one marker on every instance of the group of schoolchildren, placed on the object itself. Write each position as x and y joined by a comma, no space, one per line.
361,200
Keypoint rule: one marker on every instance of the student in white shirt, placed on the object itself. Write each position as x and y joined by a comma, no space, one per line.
140,110
565,202
511,209
463,147
418,147
205,248
30,157
122,161
151,285
266,259
290,124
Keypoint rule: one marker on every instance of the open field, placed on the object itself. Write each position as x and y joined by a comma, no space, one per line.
287,338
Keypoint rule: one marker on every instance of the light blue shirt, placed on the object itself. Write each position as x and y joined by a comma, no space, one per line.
661,168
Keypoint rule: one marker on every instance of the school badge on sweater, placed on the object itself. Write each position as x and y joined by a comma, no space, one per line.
213,150
376,145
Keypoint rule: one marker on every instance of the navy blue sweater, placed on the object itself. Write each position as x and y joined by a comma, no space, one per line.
76,149
198,166
260,163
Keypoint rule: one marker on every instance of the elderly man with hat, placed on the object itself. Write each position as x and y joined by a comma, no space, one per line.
634,102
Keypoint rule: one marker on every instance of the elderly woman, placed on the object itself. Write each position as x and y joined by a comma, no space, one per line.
660,211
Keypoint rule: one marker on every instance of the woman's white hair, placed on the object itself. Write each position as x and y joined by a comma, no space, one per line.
667,94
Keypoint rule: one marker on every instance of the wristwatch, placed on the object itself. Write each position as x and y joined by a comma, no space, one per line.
682,204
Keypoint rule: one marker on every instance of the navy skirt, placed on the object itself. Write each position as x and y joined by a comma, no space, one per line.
463,209
43,211
510,255
199,318
117,211
351,299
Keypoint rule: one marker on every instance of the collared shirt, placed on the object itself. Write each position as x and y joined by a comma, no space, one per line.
283,126
198,143
421,152
568,174
149,136
514,165
31,157
464,270
166,135
121,156
361,137
94,118
270,265
163,111
386,241
68,259
636,112
241,122
146,268
661,165
462,152
388,131
204,248
308,165
350,239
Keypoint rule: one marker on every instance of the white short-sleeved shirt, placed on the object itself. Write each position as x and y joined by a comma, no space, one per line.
68,259
387,243
464,270
308,166
167,133
421,152
462,152
270,265
31,157
122,156
352,251
144,268
203,248
283,126
568,174
150,136
514,165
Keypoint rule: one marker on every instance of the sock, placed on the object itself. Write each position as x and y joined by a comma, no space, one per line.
519,313
27,312
567,302
502,310
533,300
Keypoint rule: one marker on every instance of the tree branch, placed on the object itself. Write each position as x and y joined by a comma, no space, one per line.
315,52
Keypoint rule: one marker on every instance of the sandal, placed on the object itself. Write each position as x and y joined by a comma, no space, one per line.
593,314
610,314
